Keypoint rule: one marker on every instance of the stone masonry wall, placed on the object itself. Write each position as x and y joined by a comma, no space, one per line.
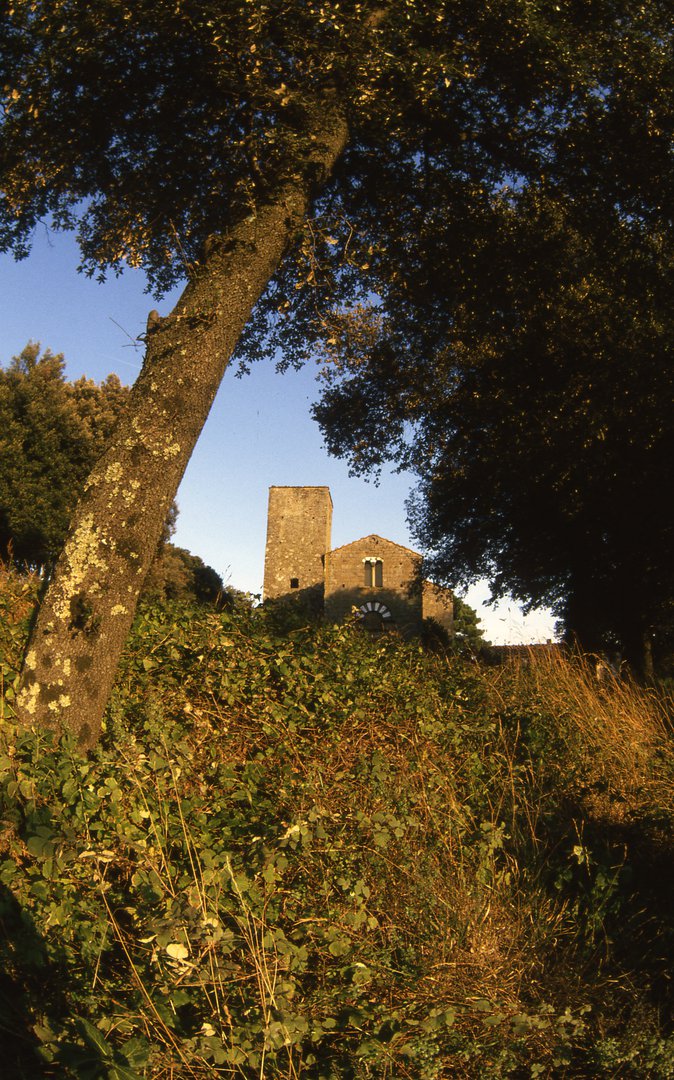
299,526
345,582
438,604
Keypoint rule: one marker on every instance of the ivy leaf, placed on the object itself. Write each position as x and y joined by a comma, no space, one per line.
177,951
93,1038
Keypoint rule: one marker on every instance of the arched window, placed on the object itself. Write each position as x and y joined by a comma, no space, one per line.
374,573
375,617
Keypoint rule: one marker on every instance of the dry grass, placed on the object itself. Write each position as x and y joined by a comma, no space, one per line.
619,731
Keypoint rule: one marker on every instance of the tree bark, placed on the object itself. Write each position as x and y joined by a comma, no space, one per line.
86,614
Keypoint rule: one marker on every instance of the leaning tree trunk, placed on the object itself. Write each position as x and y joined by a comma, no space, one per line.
86,614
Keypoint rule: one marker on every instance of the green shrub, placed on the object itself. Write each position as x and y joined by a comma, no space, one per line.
307,853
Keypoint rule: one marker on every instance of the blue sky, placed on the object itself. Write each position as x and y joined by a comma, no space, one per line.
259,432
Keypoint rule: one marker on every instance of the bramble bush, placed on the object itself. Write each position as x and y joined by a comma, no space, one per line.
307,853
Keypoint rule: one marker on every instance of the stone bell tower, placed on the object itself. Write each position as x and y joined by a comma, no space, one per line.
299,522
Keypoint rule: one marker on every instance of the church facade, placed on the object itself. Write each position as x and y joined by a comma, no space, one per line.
379,581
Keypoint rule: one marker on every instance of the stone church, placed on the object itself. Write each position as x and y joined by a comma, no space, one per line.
373,577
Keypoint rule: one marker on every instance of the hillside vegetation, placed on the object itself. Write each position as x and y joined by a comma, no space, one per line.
299,852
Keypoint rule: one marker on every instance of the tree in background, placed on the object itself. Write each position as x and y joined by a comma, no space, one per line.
177,574
284,158
466,638
52,431
467,635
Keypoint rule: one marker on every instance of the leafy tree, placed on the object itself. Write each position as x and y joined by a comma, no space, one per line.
539,421
178,574
282,158
51,433
468,635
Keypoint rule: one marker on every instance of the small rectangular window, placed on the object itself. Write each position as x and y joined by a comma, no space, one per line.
374,573
294,583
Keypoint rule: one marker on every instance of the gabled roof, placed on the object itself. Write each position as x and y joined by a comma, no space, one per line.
381,539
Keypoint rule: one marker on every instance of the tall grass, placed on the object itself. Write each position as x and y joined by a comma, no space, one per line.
612,731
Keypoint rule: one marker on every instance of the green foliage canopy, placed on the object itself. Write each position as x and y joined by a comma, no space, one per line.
539,422
468,635
103,103
516,358
51,433
178,574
